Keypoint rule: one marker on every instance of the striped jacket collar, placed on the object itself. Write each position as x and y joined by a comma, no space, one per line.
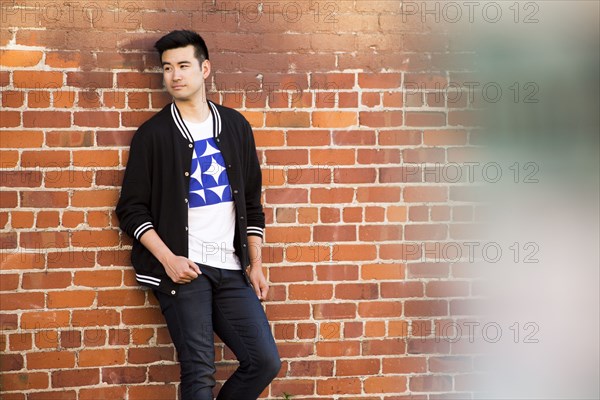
184,129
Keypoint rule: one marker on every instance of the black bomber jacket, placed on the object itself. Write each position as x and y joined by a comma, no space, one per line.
156,187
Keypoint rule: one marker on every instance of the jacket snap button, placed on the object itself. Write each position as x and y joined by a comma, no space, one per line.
186,200
173,292
187,174
190,145
235,191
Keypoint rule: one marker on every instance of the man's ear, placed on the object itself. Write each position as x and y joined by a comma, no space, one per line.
205,68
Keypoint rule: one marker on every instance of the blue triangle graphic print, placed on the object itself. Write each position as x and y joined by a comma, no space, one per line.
209,183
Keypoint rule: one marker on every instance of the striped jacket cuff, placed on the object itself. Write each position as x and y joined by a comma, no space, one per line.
143,228
255,231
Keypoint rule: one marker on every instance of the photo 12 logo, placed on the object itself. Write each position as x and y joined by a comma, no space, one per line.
471,11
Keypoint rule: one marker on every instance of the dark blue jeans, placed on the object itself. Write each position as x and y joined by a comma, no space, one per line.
220,300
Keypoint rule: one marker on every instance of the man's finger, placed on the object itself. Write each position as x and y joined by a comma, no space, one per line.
194,266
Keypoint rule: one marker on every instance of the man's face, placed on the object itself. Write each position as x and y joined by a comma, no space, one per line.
183,75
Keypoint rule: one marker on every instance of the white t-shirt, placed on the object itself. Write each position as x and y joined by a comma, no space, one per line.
211,212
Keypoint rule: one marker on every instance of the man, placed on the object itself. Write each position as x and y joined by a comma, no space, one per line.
191,201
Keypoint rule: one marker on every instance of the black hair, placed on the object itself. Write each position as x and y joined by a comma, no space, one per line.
183,38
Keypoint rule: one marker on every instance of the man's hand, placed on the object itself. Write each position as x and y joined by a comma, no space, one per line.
181,269
259,282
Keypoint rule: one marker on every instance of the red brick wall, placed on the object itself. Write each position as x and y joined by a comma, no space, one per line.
342,98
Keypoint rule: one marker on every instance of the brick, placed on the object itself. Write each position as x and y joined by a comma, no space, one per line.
145,355
19,341
419,308
355,137
101,357
337,195
383,346
401,289
345,348
22,301
94,337
332,157
38,79
334,119
286,157
95,198
103,393
20,178
135,80
12,362
53,395
46,119
357,367
20,58
12,98
330,215
311,368
63,59
22,260
397,137
69,138
385,384
38,99
311,137
24,381
286,196
153,392
381,119
370,99
43,240
71,299
90,80
4,78
51,360
379,81
45,159
10,119
78,377
297,273
147,316
335,233
20,139
375,194
334,311
296,386
46,280
124,375
98,278
354,252
369,233
9,282
356,291
332,81
135,118
430,383
338,386
44,319
337,272
310,292
278,312
95,317
291,119
377,309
